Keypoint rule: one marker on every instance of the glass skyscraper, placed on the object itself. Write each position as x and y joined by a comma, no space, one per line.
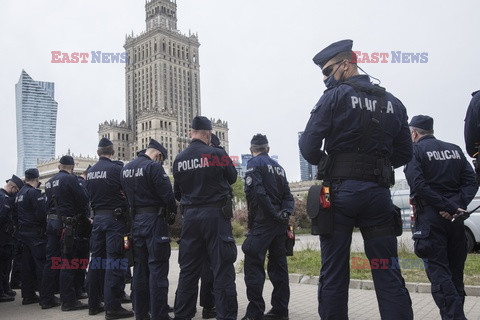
36,122
307,171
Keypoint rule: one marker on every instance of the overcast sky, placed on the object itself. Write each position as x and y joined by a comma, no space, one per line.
256,63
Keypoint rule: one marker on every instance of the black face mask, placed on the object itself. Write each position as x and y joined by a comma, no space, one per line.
331,82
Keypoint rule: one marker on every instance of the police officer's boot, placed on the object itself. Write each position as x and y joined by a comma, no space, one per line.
72,306
30,300
96,310
6,298
55,302
120,313
270,315
209,313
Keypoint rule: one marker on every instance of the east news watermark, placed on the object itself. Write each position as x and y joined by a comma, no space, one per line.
59,263
398,263
89,57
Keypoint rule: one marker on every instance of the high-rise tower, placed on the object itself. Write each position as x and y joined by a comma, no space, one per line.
36,122
162,84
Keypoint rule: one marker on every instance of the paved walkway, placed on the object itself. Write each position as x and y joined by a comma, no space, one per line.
303,303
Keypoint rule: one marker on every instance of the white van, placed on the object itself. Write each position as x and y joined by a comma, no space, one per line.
472,225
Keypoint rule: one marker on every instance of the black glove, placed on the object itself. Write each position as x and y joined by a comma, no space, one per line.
282,215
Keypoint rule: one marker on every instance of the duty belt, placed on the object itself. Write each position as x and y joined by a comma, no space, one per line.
24,228
355,166
104,211
419,202
142,210
217,204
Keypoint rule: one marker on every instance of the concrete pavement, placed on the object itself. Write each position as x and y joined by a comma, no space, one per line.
303,302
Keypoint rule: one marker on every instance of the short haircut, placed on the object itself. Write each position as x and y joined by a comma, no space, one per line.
259,148
106,151
30,180
346,55
201,132
422,132
66,166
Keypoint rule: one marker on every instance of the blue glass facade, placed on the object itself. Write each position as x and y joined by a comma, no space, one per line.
36,122
307,171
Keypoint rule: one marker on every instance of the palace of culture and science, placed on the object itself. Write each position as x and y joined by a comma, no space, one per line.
162,86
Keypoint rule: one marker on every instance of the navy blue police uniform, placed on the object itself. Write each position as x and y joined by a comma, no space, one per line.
83,252
109,206
7,228
270,204
440,179
203,175
472,125
207,298
65,199
32,220
149,192
361,153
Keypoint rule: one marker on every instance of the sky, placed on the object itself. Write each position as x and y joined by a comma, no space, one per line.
256,68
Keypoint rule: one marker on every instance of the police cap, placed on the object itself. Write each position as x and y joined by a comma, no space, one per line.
214,140
259,139
104,142
32,173
17,181
331,51
201,123
156,145
422,122
67,160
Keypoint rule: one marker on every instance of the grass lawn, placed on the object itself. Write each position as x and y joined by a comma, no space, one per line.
308,262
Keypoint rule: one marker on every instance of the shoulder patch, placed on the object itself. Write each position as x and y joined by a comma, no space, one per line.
248,180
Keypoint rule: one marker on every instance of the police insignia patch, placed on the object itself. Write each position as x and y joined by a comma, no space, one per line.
248,180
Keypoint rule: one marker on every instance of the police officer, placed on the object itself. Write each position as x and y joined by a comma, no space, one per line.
203,175
32,219
83,249
366,134
442,184
7,228
67,207
207,298
472,131
270,205
109,225
150,197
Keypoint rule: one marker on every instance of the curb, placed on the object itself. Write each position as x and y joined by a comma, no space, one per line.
473,291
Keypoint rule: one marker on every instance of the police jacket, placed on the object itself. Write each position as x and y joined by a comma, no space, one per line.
338,118
6,208
146,184
103,185
203,174
31,207
439,175
65,195
266,188
472,125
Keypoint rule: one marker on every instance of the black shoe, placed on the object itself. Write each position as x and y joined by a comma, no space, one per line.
209,313
6,298
120,313
96,310
72,306
51,304
270,315
30,300
11,293
16,285
126,299
82,295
